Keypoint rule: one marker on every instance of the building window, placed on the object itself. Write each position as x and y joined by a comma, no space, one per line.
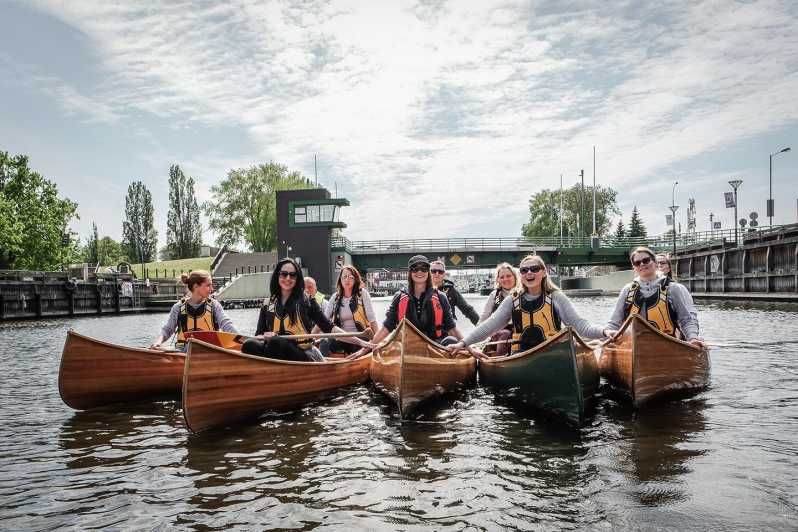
300,215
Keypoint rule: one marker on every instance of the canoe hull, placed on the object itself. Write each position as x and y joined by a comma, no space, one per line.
649,365
558,377
222,386
413,369
94,373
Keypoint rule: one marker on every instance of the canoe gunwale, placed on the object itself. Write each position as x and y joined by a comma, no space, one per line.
540,347
266,387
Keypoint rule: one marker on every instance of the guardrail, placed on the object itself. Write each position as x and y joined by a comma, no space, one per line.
666,241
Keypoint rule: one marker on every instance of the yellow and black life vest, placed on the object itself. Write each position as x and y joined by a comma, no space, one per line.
191,318
533,321
498,298
357,308
658,310
281,322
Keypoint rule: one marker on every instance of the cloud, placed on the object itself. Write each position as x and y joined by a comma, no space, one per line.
456,109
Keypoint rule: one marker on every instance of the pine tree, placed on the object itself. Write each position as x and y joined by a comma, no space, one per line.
140,239
636,227
92,253
620,230
183,229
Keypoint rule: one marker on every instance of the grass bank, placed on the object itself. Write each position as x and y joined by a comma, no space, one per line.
172,268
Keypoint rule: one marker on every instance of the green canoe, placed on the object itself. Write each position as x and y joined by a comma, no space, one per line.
557,377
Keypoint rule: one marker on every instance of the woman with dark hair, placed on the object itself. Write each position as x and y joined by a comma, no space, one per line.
422,305
664,266
197,311
350,309
537,310
289,311
664,303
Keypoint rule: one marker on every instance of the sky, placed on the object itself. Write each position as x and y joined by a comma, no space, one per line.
435,119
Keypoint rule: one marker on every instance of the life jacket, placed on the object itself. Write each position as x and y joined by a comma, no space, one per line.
498,298
357,308
281,323
191,318
658,310
437,313
533,321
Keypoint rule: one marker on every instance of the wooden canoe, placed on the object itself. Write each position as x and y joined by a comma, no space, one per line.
95,373
411,368
222,386
558,376
648,364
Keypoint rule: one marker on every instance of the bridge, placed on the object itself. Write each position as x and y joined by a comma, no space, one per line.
487,252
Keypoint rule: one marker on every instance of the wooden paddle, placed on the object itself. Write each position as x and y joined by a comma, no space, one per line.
234,341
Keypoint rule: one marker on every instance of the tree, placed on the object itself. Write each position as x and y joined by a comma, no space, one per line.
620,230
110,252
636,227
244,206
544,212
91,251
140,239
33,218
183,229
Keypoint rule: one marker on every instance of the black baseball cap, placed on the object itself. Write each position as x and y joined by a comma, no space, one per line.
417,259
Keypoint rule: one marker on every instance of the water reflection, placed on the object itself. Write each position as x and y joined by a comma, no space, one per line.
662,444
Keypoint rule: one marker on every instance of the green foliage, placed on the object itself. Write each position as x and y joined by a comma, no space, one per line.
620,230
140,238
244,206
32,218
91,254
183,229
544,212
636,227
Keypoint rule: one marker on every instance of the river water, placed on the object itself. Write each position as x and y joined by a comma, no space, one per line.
725,459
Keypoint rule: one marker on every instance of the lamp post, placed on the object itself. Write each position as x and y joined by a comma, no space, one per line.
582,206
674,208
770,205
734,184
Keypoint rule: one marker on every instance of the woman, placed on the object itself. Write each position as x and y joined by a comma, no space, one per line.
289,311
537,311
438,272
422,305
664,266
195,312
505,281
350,309
664,303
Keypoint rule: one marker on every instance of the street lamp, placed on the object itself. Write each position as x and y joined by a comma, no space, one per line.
734,184
769,206
674,208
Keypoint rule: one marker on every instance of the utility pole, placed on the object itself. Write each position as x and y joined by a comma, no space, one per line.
674,208
315,170
582,204
734,184
594,191
560,209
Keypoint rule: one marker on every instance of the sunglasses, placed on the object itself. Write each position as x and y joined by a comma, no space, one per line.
641,262
527,269
662,263
422,268
285,274
440,272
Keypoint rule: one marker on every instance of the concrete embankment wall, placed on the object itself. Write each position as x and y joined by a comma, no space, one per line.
612,283
246,287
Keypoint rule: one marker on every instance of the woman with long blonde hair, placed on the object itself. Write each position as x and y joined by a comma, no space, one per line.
537,310
505,281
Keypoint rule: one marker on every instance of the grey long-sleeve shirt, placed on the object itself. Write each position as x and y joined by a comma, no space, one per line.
678,296
568,316
225,323
488,309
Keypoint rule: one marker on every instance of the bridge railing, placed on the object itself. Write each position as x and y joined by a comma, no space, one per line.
659,242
